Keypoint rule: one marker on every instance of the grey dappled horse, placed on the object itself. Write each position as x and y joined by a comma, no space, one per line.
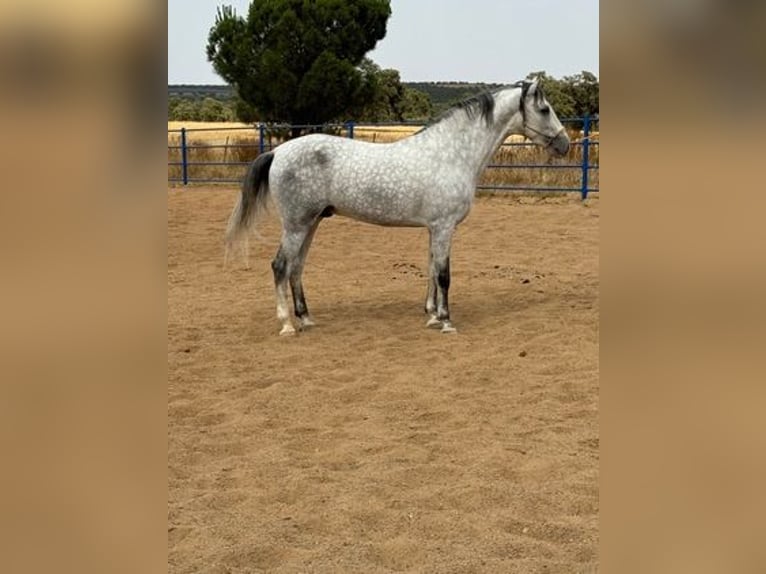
425,180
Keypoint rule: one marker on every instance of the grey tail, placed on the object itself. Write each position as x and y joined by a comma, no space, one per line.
255,192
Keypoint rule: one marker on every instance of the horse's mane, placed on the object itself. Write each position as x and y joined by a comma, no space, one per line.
482,105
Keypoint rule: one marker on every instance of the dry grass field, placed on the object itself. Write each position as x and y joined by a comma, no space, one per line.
216,132
370,443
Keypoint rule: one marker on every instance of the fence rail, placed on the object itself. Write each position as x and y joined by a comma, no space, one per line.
192,162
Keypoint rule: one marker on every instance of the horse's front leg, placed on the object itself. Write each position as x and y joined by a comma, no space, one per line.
296,283
441,243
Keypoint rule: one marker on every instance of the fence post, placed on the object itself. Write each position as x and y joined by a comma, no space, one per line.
261,139
585,159
184,160
350,128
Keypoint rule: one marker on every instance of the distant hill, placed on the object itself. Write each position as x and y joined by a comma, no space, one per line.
199,91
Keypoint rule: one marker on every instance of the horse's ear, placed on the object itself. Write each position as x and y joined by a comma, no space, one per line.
526,87
530,87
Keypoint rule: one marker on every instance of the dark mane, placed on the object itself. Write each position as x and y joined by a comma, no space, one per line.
481,105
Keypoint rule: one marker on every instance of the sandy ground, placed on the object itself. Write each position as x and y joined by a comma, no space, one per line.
372,444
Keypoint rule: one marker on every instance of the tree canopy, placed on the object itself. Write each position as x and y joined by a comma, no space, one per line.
392,101
571,96
298,61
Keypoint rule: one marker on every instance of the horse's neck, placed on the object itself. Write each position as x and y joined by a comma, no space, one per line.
506,120
473,142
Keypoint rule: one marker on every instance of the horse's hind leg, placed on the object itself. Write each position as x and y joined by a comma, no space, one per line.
296,282
283,264
279,266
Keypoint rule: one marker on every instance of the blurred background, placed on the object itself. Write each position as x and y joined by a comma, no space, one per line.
82,296
683,272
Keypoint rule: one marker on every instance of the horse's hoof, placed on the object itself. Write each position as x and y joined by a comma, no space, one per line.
448,328
433,322
306,323
287,331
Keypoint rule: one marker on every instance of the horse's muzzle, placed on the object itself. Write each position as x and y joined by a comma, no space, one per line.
560,144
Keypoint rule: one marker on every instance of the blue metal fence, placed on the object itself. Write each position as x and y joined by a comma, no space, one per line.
579,158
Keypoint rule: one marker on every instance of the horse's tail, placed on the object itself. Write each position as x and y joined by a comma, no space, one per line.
255,192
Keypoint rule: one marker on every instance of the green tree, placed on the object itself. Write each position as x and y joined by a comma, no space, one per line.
571,96
244,112
173,104
415,105
386,92
298,61
184,110
211,110
391,101
583,88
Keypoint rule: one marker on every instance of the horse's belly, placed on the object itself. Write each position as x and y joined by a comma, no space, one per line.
379,219
374,205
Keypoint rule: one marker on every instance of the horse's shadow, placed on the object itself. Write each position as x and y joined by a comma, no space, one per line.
469,311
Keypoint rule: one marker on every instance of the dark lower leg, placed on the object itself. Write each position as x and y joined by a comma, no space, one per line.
443,281
296,281
279,266
299,299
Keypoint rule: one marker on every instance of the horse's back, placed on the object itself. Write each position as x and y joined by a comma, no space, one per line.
323,153
318,158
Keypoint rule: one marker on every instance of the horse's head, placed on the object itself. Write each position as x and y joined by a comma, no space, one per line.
541,124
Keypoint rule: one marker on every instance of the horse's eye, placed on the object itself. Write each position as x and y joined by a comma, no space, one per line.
545,110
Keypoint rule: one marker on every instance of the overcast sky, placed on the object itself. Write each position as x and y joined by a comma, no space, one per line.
497,41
